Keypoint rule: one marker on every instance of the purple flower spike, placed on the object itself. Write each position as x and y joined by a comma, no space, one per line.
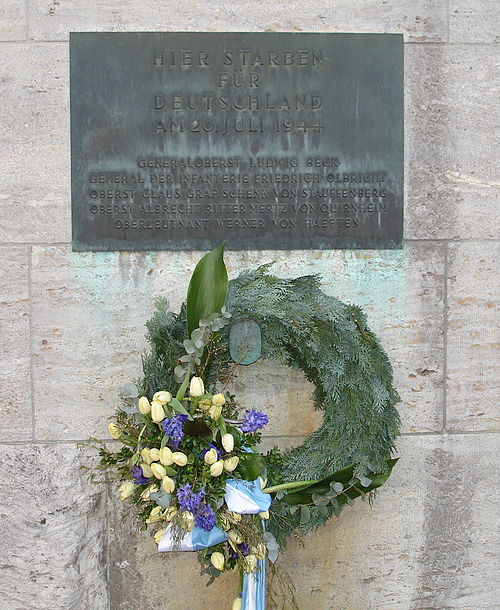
174,429
253,421
206,518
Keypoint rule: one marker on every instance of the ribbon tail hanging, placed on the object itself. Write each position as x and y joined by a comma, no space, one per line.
254,588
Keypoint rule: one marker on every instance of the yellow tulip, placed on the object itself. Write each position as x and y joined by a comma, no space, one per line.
154,454
157,412
217,560
216,468
159,535
196,387
155,515
210,457
259,551
215,412
168,485
251,562
146,456
126,489
228,442
218,400
146,470
231,463
179,458
187,520
114,431
162,397
235,536
166,456
158,470
144,406
170,513
264,514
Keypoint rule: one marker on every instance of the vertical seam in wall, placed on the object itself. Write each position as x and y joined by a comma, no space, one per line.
445,337
106,542
26,19
447,20
30,323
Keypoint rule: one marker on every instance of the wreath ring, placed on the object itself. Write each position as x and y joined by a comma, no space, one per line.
331,343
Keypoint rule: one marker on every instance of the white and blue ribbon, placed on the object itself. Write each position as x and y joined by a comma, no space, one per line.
245,498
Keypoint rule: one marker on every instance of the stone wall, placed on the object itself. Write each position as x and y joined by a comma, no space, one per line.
72,328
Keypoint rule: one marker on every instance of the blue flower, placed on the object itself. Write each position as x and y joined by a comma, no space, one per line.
174,429
189,500
253,420
139,478
244,550
205,518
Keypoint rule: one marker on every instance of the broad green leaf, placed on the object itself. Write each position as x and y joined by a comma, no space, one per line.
250,466
179,407
305,494
207,290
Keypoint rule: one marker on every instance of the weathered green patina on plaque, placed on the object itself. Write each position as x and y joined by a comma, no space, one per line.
245,341
180,140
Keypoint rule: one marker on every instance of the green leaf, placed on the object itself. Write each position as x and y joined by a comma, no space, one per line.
250,466
305,515
207,290
170,471
179,407
305,494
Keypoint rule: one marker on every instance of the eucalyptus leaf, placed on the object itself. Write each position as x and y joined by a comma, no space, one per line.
161,498
129,390
365,481
305,515
208,287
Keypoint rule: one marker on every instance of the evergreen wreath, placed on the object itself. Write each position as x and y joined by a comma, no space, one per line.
190,461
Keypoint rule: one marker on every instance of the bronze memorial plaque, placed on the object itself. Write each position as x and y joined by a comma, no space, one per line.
181,140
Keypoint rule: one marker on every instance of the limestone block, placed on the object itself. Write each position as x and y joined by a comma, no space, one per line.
474,21
420,21
52,527
34,131
89,311
473,337
430,540
452,119
15,381
13,20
